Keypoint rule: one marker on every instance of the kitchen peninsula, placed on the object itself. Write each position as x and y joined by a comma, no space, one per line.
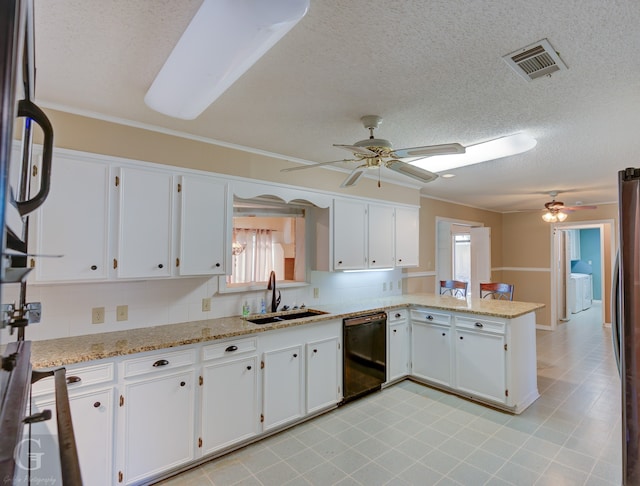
216,385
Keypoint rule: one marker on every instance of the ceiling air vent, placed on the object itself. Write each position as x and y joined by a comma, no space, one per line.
535,61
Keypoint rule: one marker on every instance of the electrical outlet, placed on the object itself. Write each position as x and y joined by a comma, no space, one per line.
206,304
122,313
384,286
316,292
399,284
97,315
390,285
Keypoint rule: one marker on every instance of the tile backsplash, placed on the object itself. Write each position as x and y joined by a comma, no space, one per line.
67,308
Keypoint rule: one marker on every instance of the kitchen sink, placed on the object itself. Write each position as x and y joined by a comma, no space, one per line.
286,317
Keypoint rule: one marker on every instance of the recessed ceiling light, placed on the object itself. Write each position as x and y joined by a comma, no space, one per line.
447,176
480,152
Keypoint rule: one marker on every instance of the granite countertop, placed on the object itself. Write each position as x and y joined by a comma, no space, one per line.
77,349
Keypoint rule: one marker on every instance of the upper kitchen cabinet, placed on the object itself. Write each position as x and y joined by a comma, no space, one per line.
349,235
203,210
145,213
407,236
74,222
370,236
381,241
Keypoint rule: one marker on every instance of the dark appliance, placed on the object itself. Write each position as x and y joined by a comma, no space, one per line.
17,80
365,354
625,309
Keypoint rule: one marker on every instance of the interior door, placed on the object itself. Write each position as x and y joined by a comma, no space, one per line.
480,257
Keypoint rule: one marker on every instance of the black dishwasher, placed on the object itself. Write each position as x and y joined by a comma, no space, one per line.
365,354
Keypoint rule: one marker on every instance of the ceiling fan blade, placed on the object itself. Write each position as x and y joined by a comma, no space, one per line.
311,166
356,150
576,208
429,150
354,177
411,171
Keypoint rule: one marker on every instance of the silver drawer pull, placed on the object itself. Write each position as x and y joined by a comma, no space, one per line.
479,324
160,362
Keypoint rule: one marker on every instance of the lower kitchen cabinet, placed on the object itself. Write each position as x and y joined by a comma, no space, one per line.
91,401
157,407
431,352
481,359
230,411
322,373
399,343
282,386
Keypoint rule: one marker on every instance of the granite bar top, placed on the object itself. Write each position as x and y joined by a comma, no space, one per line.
64,351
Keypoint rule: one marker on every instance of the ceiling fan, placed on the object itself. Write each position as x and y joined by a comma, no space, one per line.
375,153
556,210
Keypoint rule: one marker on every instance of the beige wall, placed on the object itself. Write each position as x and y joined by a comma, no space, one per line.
102,137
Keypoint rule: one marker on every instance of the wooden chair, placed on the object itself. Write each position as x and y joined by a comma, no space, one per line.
499,291
455,288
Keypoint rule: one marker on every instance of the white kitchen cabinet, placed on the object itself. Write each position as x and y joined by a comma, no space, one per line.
91,393
349,235
74,222
381,236
145,218
481,358
202,225
322,376
157,408
282,386
407,236
432,350
399,343
230,410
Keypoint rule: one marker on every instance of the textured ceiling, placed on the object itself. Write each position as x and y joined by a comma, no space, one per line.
432,69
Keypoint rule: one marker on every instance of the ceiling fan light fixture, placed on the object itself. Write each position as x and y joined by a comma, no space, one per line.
480,152
553,216
223,40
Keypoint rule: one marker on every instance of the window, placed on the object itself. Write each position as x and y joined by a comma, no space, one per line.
462,256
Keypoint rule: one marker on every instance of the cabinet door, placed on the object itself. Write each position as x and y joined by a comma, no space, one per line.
145,223
407,235
282,386
381,236
202,226
481,364
158,424
322,374
229,403
431,352
349,235
399,348
92,418
74,222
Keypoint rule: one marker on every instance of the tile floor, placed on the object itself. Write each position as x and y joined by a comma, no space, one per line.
410,434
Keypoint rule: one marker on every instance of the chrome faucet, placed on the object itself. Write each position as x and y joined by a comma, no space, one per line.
275,302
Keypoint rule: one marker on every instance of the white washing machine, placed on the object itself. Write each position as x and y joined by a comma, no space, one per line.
580,292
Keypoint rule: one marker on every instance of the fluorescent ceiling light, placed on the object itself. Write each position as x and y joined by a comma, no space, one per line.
224,39
480,152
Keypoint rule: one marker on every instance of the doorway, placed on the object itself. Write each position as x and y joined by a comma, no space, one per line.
463,252
582,256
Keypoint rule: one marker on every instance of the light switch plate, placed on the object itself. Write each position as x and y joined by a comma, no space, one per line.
206,304
122,313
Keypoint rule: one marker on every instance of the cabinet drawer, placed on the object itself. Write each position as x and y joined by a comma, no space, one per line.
425,315
229,349
158,362
480,324
397,315
77,378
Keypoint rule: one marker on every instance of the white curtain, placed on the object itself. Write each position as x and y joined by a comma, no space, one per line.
257,259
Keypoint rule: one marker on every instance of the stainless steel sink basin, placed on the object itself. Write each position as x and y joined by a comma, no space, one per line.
286,317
